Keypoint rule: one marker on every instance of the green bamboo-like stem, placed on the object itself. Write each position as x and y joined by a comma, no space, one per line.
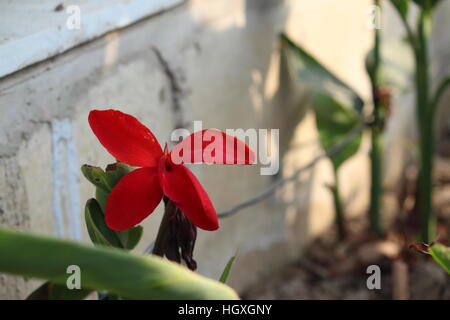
425,120
376,150
375,187
426,109
338,209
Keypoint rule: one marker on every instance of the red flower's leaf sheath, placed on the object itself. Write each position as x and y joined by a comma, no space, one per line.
212,146
125,138
133,198
183,188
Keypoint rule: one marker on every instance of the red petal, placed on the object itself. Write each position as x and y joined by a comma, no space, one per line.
212,146
183,188
133,198
127,139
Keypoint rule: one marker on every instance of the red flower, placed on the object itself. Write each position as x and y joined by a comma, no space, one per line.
138,193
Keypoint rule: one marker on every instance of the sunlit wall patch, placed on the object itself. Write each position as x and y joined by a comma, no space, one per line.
66,197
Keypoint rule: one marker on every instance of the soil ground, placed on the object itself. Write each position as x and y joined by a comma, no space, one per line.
332,269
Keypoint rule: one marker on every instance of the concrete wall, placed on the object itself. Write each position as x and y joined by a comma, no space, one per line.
215,61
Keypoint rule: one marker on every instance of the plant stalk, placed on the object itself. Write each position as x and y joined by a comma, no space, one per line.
376,149
163,231
425,121
338,209
376,186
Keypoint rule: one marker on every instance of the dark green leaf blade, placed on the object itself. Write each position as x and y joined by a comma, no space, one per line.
316,77
426,4
115,172
97,177
226,271
128,239
128,275
401,6
98,231
131,237
105,180
441,254
334,122
101,196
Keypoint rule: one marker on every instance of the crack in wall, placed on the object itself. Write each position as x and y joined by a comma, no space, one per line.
176,90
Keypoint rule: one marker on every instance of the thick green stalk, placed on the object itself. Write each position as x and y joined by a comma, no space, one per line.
425,120
338,209
375,153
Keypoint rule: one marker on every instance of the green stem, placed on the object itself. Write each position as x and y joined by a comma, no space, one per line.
425,120
375,187
375,153
338,209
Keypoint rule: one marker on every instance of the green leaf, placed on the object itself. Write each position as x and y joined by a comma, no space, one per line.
401,6
101,196
113,270
52,291
441,254
112,175
334,122
97,177
105,180
131,237
316,77
127,239
98,231
226,271
115,172
427,4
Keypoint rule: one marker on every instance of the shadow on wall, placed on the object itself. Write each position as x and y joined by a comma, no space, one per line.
256,93
243,90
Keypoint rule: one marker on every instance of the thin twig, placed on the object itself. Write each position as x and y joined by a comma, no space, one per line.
273,188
